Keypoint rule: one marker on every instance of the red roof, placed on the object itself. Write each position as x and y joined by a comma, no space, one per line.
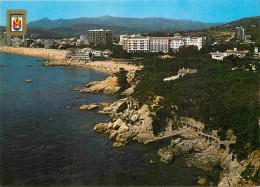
236,52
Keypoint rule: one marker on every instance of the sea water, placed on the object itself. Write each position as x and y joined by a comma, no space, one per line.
44,143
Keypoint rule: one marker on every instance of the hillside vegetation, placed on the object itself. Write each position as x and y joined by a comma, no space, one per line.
219,97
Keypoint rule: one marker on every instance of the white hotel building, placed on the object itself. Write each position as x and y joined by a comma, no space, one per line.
160,44
136,44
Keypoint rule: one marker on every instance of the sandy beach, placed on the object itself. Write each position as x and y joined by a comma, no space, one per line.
58,57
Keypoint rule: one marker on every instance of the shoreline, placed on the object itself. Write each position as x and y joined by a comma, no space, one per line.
58,58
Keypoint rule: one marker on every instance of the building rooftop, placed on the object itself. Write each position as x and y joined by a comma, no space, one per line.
187,71
99,30
235,52
171,78
220,54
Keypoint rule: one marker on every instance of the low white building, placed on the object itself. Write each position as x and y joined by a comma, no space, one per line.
81,56
221,56
181,73
84,54
217,55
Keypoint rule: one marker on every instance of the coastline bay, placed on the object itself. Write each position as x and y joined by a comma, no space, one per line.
66,150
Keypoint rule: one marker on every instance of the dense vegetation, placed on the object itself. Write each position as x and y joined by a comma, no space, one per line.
122,79
216,95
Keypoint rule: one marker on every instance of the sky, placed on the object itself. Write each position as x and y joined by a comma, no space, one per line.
197,10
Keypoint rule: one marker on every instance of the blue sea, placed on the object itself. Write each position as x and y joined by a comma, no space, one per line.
65,151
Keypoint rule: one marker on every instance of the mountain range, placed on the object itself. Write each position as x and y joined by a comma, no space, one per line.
139,24
64,28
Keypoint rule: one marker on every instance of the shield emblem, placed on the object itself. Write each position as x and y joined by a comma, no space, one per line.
16,22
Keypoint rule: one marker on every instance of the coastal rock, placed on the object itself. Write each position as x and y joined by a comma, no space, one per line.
121,107
104,104
88,107
176,141
75,89
128,91
145,137
122,137
202,181
118,124
113,134
205,160
118,144
101,127
134,117
107,86
166,154
143,112
200,144
123,128
110,126
183,147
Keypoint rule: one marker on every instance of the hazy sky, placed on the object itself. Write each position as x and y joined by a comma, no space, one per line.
198,10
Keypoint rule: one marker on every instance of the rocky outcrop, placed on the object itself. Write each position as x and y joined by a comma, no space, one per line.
89,107
101,127
210,155
128,91
239,173
107,86
132,121
166,154
129,122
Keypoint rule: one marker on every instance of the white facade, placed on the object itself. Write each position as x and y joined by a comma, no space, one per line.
138,45
176,43
81,56
181,73
84,54
217,56
122,37
157,44
220,56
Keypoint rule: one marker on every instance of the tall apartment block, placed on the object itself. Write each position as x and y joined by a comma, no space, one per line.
7,39
100,36
240,31
160,44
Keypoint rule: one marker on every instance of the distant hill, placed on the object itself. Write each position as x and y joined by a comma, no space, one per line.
80,29
44,34
151,24
244,22
251,24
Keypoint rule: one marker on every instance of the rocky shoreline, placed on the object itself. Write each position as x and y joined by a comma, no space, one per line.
132,121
